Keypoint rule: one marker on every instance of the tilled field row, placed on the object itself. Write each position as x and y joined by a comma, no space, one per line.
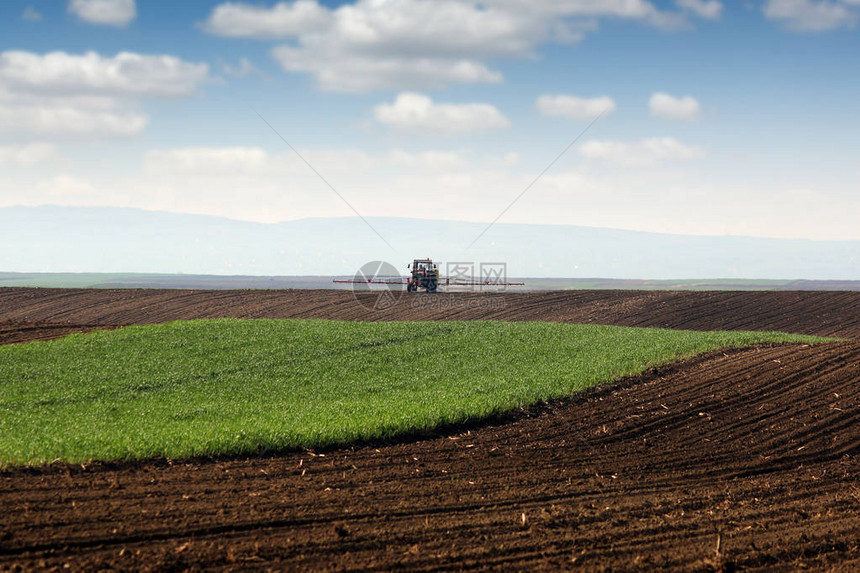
24,310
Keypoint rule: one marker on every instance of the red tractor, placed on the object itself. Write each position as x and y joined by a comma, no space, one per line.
423,274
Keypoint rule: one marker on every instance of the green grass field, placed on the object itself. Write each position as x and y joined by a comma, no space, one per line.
243,386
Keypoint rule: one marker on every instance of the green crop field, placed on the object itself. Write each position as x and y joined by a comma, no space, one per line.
244,386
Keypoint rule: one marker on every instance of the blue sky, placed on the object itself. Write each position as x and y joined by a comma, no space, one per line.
719,118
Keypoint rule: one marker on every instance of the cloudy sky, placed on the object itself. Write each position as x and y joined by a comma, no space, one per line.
738,118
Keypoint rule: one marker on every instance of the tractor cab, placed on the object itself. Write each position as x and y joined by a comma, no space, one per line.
423,265
424,273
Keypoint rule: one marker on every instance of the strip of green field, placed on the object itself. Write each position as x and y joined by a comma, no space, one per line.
241,386
175,281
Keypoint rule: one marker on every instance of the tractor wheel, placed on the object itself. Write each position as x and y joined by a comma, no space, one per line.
431,286
410,287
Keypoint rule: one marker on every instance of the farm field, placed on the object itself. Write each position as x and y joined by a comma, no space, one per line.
230,386
42,314
734,459
189,281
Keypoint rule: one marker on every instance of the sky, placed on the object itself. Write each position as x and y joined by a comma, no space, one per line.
687,116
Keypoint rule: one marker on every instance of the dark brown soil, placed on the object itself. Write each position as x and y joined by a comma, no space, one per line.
808,312
739,460
14,333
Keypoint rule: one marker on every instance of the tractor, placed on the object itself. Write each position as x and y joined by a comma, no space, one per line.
423,274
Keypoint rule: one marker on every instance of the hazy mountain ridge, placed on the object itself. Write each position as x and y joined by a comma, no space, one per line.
108,239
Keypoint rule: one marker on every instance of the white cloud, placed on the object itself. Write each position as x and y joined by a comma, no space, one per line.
125,73
60,116
418,113
209,161
68,189
391,44
669,107
708,9
104,12
221,181
30,14
206,162
811,15
573,107
416,27
255,164
417,44
89,94
283,20
346,73
27,155
641,10
644,152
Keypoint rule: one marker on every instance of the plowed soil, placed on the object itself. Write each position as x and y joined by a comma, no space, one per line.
805,312
736,460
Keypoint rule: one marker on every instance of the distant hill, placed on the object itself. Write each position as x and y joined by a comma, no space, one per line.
117,240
